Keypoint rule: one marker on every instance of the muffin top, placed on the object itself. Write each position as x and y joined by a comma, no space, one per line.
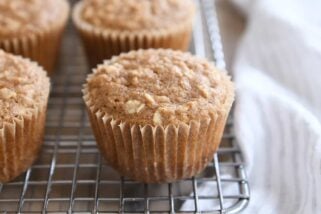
158,87
24,86
135,15
21,17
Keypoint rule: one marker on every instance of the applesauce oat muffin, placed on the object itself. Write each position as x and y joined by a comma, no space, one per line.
158,115
24,90
109,27
33,28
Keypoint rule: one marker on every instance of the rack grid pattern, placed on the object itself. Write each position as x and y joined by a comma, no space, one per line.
71,177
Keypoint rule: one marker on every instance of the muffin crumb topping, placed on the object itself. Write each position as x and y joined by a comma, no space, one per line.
18,17
24,86
6,94
172,87
133,16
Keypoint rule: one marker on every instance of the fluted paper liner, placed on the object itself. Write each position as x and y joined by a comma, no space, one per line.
42,46
155,154
20,143
103,44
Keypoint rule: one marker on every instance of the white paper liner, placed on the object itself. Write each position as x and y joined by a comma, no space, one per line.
20,143
156,154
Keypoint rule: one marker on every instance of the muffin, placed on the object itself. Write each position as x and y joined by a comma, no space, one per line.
109,27
158,115
24,90
33,28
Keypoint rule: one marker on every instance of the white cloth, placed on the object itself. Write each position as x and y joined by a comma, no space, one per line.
278,77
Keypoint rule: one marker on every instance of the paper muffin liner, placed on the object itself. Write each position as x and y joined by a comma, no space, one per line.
20,143
157,154
103,44
41,46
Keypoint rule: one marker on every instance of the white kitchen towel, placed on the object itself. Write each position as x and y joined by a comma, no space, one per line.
278,78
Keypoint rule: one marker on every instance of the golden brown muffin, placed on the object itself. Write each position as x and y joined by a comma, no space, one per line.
33,28
158,115
24,90
109,27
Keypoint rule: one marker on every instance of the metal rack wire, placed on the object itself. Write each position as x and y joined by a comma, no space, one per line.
71,177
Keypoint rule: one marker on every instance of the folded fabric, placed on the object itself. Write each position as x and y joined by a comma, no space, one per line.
278,77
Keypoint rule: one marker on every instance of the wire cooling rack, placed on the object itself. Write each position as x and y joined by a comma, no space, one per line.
71,177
